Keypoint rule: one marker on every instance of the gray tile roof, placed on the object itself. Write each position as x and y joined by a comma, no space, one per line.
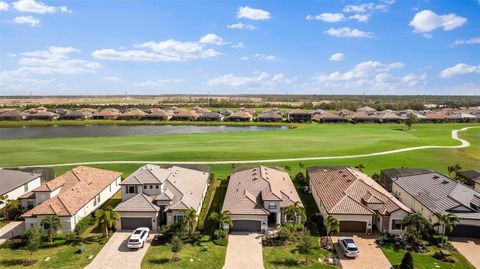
138,203
11,179
400,172
441,194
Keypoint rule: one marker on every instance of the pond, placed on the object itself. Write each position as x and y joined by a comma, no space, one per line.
117,130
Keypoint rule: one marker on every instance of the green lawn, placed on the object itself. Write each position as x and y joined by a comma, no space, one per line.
426,261
288,256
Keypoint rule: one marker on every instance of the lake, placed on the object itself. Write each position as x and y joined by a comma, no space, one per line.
117,130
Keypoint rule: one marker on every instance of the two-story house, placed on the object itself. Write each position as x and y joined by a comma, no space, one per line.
257,196
153,196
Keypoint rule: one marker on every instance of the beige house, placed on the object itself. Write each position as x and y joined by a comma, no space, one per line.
256,197
357,201
14,183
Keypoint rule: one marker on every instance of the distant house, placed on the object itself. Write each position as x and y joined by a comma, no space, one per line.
329,117
387,175
153,196
461,117
71,196
132,114
62,111
88,110
200,110
257,196
157,114
240,116
248,110
431,193
367,110
269,116
184,115
389,117
361,117
345,112
13,115
357,201
299,115
47,115
106,114
435,117
77,115
318,112
225,112
210,116
16,183
472,177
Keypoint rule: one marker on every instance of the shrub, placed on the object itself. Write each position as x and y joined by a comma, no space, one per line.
221,241
284,234
84,224
300,178
439,240
220,234
54,243
407,261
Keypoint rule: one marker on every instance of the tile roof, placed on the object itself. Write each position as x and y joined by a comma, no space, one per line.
441,194
348,191
12,179
470,174
140,202
297,111
248,187
241,114
78,187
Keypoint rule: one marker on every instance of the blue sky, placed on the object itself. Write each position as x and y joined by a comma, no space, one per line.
230,47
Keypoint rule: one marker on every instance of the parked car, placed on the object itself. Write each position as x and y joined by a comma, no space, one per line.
348,246
138,238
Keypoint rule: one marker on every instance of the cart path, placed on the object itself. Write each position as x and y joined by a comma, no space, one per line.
464,144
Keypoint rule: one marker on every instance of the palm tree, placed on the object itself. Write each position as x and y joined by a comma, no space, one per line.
417,225
222,218
52,224
106,218
410,120
454,169
294,211
448,221
331,224
190,218
360,167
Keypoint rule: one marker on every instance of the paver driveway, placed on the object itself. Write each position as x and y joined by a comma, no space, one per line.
371,256
116,255
244,251
469,248
10,230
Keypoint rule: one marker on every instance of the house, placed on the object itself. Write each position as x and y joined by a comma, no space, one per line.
106,114
89,110
298,115
77,115
433,192
318,112
269,116
200,110
183,115
240,116
210,116
362,117
47,115
367,110
153,196
461,117
71,196
157,114
435,117
389,117
329,117
247,110
357,201
16,183
225,112
62,111
13,115
472,177
132,114
387,175
257,196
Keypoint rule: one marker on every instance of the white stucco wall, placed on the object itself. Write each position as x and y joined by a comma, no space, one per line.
20,190
397,215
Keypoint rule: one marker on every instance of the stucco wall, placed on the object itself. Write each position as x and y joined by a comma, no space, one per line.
19,191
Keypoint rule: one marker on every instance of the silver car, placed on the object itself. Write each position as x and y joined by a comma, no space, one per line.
348,246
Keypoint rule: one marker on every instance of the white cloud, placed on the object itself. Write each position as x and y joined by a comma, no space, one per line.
111,78
253,13
337,57
4,6
157,83
360,71
254,81
27,20
360,17
367,7
262,57
211,39
34,6
165,51
427,21
327,17
471,41
459,69
348,32
238,45
239,26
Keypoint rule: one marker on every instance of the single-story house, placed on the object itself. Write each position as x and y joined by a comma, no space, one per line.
62,111
356,200
184,115
106,114
299,115
89,110
47,115
269,116
13,115
240,116
329,117
77,115
389,117
157,114
71,196
461,117
435,117
153,196
200,110
257,196
433,192
367,110
225,112
210,116
16,183
361,117
132,114
387,175
472,178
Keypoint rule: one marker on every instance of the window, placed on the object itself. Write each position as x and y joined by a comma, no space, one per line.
397,224
110,188
29,205
98,198
156,187
177,218
131,189
151,186
272,206
25,187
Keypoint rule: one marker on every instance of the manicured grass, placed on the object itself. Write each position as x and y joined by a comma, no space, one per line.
307,141
425,260
288,256
192,256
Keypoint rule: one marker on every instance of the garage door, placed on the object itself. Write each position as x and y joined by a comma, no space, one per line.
353,227
247,225
461,230
134,223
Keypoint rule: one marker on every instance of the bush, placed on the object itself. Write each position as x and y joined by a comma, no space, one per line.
220,234
84,224
54,243
407,261
221,241
439,240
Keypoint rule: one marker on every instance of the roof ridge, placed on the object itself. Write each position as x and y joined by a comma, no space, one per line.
63,204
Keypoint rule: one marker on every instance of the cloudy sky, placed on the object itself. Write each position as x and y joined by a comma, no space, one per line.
228,47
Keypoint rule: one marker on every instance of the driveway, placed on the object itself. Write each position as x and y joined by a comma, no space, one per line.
115,253
244,251
10,230
469,248
371,256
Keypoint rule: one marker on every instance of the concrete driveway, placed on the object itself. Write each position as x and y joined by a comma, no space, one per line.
115,253
469,248
244,251
371,256
10,230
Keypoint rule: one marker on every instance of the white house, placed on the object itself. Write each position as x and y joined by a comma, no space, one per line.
71,196
16,183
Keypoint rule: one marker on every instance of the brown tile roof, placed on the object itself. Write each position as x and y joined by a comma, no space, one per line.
241,114
437,116
297,112
327,115
248,187
106,113
79,186
348,191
